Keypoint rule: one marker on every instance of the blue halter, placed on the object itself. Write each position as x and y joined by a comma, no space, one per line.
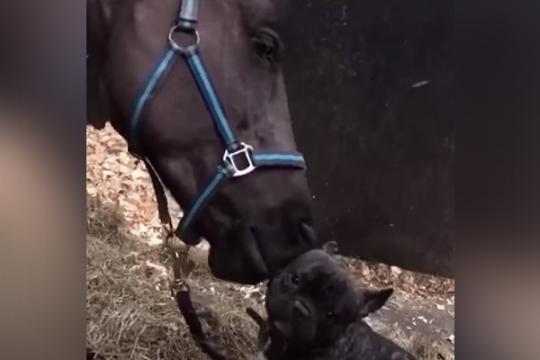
239,159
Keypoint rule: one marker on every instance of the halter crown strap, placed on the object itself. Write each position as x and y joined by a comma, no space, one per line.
239,159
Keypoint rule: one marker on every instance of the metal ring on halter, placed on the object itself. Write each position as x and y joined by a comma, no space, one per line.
189,49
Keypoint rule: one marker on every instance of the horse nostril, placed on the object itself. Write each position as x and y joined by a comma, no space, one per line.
300,310
308,234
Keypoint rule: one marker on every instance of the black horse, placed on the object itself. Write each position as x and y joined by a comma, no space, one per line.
258,223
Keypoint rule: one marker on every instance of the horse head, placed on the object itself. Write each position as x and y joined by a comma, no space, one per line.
257,223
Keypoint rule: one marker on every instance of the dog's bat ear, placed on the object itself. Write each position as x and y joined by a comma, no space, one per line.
373,300
331,248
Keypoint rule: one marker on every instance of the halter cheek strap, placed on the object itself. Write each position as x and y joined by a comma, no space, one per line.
239,158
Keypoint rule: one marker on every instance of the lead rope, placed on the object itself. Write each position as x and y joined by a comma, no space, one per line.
176,256
178,287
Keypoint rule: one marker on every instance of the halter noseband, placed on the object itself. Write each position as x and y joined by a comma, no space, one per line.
239,159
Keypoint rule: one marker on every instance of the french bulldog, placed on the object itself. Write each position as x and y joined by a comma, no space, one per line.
315,313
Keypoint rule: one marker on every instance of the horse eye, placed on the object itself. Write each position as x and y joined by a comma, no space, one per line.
331,314
266,45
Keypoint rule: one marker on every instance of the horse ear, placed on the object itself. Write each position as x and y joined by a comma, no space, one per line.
331,248
373,300
98,18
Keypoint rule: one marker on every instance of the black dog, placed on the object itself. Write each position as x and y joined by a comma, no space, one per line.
314,313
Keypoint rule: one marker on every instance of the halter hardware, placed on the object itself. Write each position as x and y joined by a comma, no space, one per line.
239,159
191,48
245,150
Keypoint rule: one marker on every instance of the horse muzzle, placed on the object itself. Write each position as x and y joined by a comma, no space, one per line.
249,253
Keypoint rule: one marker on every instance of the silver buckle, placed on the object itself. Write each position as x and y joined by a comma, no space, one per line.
245,150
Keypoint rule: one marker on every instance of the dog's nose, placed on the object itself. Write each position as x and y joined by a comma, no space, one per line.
300,310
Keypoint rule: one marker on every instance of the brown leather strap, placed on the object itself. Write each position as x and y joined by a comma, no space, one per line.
182,295
179,258
163,207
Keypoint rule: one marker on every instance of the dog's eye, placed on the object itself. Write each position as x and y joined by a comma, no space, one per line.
294,279
331,314
267,45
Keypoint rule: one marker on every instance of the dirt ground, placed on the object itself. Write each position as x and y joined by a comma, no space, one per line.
130,314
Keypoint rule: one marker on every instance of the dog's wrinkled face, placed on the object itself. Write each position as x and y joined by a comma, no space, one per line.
313,301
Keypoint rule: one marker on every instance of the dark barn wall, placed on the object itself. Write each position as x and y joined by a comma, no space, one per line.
378,139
